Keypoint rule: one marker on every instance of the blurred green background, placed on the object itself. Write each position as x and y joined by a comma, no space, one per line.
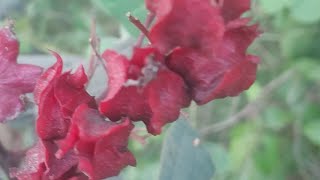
270,132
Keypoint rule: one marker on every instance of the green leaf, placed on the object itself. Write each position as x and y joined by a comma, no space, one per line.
244,139
221,159
309,68
312,131
268,157
119,8
307,45
253,92
181,158
273,6
306,11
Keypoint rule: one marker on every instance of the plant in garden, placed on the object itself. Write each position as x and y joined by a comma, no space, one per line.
197,52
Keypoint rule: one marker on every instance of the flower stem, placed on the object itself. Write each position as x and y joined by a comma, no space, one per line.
139,25
149,20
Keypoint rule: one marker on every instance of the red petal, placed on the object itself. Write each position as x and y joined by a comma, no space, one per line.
9,45
239,78
111,154
117,66
211,78
51,123
232,9
167,94
101,145
45,82
156,98
15,79
121,101
70,91
11,104
177,28
57,168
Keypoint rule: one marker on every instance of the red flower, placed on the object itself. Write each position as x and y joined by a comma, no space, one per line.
57,96
206,45
15,79
143,89
101,145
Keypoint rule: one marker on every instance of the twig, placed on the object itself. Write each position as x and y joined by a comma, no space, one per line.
139,25
250,108
147,24
94,41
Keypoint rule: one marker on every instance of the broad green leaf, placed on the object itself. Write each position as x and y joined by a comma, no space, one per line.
119,8
306,11
181,157
221,160
312,131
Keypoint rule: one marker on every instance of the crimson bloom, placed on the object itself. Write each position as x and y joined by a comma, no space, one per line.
143,89
15,79
206,43
58,95
76,142
101,145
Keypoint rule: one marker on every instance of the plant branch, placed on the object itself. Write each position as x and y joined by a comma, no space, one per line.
94,41
252,107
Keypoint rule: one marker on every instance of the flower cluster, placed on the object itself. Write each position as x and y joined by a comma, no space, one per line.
197,52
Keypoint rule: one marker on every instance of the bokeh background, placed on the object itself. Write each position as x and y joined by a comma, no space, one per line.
270,132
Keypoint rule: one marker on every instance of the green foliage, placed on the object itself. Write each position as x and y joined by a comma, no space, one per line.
312,131
306,11
273,6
